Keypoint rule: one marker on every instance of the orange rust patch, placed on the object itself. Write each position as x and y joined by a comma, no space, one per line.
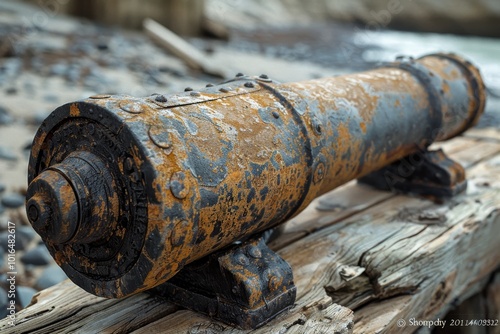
446,87
74,111
362,125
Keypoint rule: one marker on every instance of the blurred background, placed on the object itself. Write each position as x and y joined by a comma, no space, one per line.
58,51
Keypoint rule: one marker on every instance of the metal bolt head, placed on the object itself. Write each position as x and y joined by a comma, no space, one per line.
273,283
160,137
161,98
239,74
255,252
264,76
243,260
178,185
319,173
188,89
249,84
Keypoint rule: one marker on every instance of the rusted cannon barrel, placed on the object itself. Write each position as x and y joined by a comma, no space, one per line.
126,191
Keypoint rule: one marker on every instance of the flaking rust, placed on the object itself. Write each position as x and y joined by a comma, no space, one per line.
127,191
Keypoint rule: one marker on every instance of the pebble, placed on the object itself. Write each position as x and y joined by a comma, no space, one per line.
5,117
50,276
4,302
58,69
24,295
11,91
13,200
38,256
7,153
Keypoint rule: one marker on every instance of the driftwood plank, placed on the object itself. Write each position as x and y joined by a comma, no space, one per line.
193,57
395,258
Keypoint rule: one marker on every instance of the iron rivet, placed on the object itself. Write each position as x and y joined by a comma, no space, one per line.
209,85
178,186
243,260
223,90
255,252
160,98
275,114
263,76
160,138
318,128
239,74
194,94
100,96
129,106
319,173
273,283
188,89
248,85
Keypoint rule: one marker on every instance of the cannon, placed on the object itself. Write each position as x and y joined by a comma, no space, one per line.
179,194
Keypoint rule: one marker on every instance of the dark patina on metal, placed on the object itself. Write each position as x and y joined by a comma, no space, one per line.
127,191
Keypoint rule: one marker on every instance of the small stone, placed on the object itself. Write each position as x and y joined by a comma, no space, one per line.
50,276
58,69
5,117
11,91
4,302
13,200
7,154
24,295
38,256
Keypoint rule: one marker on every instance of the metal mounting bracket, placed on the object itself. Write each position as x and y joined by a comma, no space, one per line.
425,173
245,285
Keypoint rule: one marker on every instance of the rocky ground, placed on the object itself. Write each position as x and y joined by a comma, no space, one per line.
47,59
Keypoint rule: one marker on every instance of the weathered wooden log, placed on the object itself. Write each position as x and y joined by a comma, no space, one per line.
458,253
